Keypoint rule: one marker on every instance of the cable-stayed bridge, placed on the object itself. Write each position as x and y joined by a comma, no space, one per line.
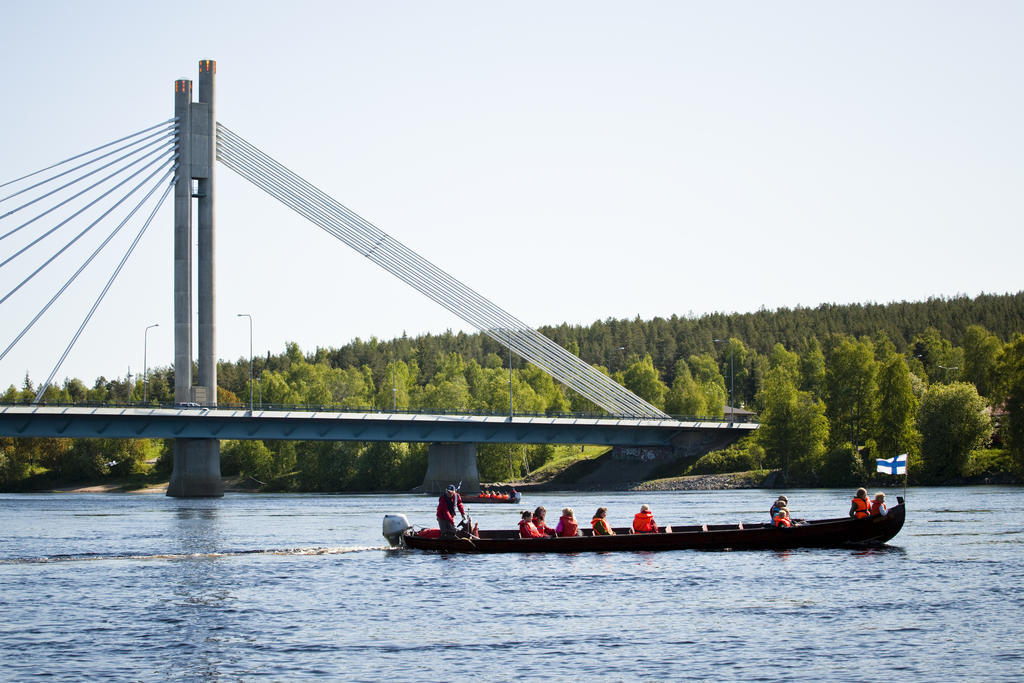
125,182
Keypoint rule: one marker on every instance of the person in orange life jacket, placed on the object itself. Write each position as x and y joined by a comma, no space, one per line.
538,521
782,518
859,506
447,504
567,525
878,505
526,527
643,521
780,502
600,525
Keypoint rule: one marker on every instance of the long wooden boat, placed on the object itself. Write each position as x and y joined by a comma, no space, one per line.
843,531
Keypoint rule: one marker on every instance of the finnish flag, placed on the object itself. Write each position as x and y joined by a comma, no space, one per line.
897,465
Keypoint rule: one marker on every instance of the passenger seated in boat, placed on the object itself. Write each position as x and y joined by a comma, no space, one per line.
526,527
860,507
643,521
567,525
600,525
782,518
878,505
780,502
538,521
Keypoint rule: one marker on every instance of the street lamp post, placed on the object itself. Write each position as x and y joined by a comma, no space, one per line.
510,375
732,379
145,365
246,315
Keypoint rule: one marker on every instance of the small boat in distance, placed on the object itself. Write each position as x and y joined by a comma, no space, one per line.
825,533
511,496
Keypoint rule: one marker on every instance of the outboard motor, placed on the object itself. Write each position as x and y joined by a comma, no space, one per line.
395,527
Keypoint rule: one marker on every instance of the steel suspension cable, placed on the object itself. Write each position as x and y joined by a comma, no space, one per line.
88,228
87,206
438,294
379,247
164,131
544,360
49,380
79,156
86,263
408,272
501,336
636,405
169,134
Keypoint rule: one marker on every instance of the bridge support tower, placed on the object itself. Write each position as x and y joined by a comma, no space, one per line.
196,461
450,463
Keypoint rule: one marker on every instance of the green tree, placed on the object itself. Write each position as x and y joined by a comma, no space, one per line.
253,459
942,362
981,355
642,378
1010,370
793,425
953,422
685,397
897,409
851,391
787,360
812,368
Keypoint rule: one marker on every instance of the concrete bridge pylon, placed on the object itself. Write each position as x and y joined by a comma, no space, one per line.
196,470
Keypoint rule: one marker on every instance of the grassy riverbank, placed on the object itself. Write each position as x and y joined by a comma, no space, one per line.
587,468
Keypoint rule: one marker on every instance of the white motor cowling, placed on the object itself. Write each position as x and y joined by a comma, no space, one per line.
395,527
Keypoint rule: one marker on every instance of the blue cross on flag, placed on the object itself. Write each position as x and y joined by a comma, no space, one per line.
897,465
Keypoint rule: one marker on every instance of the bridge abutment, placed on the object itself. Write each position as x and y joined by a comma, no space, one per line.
450,463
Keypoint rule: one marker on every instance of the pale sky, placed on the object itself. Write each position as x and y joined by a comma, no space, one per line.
572,161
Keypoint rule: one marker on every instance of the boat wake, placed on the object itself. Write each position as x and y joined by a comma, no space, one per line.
97,557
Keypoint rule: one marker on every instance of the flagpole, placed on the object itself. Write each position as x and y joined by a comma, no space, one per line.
906,475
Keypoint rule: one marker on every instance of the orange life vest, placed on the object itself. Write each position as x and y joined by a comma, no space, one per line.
528,530
860,508
569,526
601,527
782,520
643,522
877,508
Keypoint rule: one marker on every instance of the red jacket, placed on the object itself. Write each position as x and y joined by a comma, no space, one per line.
528,530
444,508
542,527
643,522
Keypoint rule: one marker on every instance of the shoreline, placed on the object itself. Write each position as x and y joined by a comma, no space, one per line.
700,482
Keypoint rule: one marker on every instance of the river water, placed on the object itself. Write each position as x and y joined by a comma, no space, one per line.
145,587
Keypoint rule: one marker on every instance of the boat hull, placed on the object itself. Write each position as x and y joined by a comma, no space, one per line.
814,534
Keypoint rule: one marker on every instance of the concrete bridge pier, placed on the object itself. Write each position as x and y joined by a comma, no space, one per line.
196,472
450,463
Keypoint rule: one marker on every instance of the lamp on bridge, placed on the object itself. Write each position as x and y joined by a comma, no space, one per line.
145,364
246,315
732,378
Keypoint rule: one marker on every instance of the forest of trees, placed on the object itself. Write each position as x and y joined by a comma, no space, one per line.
834,387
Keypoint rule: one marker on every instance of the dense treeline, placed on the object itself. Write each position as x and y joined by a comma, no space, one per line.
834,385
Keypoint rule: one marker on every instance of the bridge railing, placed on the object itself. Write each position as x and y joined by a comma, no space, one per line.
338,408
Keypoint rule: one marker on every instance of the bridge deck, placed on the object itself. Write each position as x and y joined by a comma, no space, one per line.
213,423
